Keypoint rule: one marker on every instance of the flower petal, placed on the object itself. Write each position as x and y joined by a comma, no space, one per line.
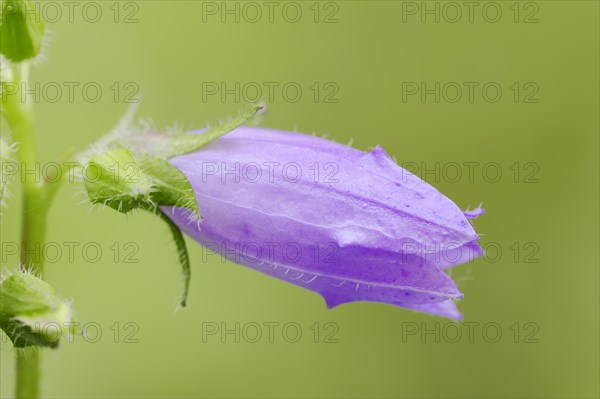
350,225
445,309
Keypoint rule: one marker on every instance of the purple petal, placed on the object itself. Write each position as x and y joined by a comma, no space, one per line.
445,309
326,217
474,214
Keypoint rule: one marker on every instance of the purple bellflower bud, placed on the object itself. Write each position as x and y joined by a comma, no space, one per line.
349,225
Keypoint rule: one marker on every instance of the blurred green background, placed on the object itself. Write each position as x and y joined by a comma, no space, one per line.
364,52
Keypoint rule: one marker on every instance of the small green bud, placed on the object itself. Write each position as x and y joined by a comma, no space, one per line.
30,311
21,30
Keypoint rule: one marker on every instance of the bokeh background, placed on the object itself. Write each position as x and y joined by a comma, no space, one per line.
537,288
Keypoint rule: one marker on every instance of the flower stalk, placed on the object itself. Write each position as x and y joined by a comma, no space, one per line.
19,117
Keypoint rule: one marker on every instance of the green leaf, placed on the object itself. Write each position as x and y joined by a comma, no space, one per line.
21,29
30,311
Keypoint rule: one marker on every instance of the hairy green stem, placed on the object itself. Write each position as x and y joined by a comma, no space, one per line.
19,117
28,373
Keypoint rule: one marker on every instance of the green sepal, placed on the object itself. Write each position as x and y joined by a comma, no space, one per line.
115,179
133,172
170,186
167,145
21,29
31,314
182,253
118,179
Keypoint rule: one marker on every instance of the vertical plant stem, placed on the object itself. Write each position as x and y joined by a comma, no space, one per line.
19,117
28,373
